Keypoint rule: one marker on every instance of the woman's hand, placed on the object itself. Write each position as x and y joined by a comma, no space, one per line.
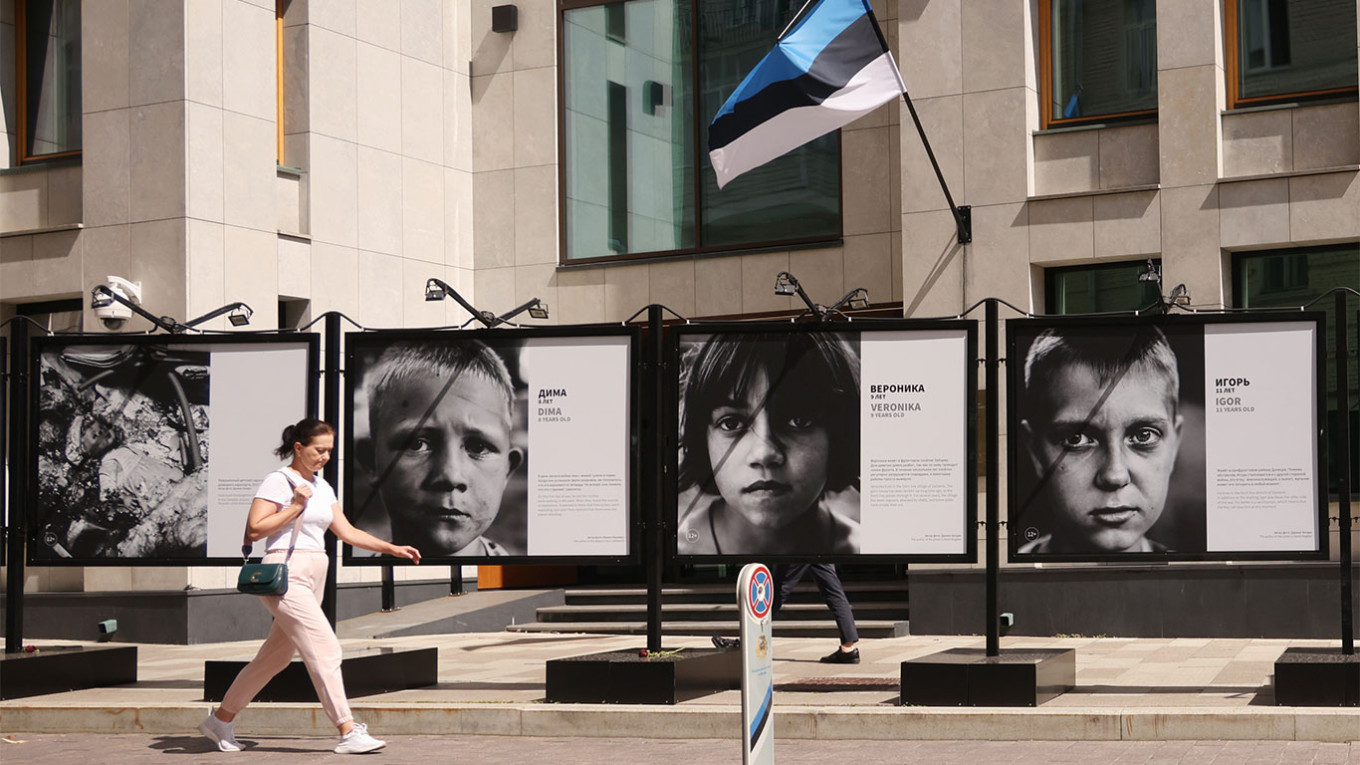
405,551
302,494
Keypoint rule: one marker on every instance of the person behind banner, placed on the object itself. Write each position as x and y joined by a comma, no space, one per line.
1102,427
440,418
769,452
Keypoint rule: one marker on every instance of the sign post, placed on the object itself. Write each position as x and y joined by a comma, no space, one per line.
755,601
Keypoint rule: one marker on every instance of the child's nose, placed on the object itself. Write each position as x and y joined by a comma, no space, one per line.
1114,470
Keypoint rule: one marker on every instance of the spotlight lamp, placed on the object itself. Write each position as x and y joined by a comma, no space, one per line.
1179,295
240,316
436,290
785,284
539,310
856,299
1152,273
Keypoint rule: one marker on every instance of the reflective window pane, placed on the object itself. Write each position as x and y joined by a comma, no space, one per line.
1104,57
52,115
629,136
1101,289
1288,47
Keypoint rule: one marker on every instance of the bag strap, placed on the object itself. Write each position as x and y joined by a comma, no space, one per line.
246,545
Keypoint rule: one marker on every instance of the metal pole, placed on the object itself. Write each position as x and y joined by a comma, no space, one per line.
653,459
389,590
1343,464
331,381
993,480
456,580
18,473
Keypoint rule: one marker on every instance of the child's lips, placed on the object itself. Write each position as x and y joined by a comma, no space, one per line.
767,488
450,514
1113,516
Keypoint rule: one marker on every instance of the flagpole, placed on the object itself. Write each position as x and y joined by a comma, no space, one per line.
795,19
963,216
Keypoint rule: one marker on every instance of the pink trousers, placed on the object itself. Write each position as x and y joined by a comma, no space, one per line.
299,625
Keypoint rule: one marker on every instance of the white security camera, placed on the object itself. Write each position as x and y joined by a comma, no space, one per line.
111,312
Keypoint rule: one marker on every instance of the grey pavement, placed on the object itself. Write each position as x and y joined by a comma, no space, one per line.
129,749
1129,691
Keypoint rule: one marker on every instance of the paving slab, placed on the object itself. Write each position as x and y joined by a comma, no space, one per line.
492,683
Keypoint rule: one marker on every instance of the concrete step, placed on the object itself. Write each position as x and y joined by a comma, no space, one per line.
885,610
871,628
857,592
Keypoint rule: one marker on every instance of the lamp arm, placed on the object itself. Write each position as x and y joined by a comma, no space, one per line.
485,317
214,314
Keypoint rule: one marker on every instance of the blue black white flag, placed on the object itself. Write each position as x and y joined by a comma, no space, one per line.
830,69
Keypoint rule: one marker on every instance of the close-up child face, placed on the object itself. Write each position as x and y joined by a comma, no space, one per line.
448,472
1110,474
769,458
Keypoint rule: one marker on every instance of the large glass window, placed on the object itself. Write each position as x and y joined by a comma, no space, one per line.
1102,288
48,75
1099,59
1289,49
641,81
1291,278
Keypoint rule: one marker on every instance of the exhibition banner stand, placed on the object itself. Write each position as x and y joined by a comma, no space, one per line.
42,670
651,675
966,676
755,601
1330,676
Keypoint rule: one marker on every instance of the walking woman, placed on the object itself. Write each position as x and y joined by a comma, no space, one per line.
293,508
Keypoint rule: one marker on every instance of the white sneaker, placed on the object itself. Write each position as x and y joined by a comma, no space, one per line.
357,741
223,734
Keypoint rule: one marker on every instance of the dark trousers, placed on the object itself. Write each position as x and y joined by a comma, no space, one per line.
786,576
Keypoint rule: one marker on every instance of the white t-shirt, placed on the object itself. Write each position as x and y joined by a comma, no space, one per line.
316,517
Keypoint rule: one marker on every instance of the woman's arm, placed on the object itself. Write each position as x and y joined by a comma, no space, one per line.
345,532
266,518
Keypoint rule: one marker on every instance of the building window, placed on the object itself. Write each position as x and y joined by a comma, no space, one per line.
641,80
1285,50
55,315
1103,288
47,34
1297,277
1098,60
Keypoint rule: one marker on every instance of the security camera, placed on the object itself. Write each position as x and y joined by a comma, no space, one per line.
112,313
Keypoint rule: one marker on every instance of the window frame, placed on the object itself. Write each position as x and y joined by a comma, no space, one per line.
1046,119
768,245
1051,274
21,155
1233,71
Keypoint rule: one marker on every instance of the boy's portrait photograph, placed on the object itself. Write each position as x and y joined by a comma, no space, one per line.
1107,437
439,445
769,444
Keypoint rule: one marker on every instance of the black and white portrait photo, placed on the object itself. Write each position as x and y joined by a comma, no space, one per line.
122,452
769,443
1108,432
439,438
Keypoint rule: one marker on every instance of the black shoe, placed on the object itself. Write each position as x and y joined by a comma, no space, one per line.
842,657
721,642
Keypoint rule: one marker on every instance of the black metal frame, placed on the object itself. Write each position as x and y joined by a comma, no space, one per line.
1015,448
491,336
41,345
671,459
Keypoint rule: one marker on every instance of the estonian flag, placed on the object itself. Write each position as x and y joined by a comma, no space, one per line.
830,69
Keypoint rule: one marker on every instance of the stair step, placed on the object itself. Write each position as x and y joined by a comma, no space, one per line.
869,628
886,610
857,592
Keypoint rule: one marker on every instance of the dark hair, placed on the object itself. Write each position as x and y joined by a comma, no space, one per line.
302,432
402,361
828,376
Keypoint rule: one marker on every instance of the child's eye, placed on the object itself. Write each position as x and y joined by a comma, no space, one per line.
730,423
1077,441
798,422
419,445
479,448
1145,437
